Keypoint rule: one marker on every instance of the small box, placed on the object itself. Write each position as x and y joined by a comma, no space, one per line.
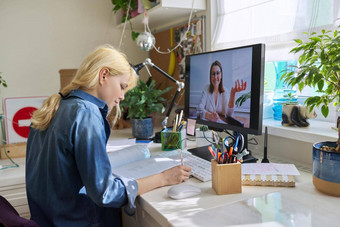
226,178
173,140
15,150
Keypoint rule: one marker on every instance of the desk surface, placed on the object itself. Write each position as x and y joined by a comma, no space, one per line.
255,205
12,176
302,205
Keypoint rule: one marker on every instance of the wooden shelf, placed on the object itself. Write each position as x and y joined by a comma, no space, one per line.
166,14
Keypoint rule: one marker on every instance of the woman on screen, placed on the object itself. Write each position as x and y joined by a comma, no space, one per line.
214,105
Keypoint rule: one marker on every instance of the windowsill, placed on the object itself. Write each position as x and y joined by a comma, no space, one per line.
316,132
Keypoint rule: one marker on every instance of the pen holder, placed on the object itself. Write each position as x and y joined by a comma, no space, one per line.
173,140
226,178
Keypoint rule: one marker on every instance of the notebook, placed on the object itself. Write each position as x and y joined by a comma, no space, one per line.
135,161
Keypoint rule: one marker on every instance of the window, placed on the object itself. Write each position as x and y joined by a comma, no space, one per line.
273,22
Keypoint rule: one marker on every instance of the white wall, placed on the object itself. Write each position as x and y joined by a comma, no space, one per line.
40,37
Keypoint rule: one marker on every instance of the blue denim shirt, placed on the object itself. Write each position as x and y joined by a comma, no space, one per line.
69,180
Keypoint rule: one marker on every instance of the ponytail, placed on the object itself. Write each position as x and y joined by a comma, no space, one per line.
87,78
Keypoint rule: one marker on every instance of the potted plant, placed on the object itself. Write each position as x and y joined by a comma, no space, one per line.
141,102
319,67
125,7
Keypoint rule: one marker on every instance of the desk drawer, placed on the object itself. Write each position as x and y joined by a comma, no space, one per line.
16,196
12,187
23,211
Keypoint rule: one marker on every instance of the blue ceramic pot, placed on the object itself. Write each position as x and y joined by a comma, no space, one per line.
326,169
142,128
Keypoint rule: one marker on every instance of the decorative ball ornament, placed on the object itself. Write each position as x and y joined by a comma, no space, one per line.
146,41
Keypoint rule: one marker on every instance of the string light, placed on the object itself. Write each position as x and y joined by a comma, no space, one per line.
184,36
146,41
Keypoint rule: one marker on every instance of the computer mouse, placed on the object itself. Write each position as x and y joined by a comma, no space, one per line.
181,191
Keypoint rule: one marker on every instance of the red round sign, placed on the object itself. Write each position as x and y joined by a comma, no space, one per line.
22,114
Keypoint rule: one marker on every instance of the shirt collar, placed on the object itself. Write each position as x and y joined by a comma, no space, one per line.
86,96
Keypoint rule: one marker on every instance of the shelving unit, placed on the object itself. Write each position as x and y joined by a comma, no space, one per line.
166,14
13,187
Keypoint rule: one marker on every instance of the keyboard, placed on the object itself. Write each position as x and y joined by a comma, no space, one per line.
200,168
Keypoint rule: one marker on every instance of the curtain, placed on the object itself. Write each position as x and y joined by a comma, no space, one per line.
273,22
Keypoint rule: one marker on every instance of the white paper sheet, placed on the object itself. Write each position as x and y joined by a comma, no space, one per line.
269,169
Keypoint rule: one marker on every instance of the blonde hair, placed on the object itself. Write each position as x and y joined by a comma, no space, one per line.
87,77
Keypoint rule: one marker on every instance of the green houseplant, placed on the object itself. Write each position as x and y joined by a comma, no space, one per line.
126,6
140,103
2,81
319,67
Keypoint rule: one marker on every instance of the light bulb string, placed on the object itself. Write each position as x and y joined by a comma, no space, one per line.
184,37
145,20
127,15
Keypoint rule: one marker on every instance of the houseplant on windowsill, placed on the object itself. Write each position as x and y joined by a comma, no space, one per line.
319,67
141,102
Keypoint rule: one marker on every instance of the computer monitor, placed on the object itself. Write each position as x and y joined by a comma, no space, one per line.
241,68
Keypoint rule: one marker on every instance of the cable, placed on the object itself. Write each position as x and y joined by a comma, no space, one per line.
182,38
207,138
3,144
126,19
253,141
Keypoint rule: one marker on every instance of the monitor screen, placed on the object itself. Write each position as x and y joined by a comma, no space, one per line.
224,89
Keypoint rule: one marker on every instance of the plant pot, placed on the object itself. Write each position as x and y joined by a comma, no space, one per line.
142,128
326,169
146,4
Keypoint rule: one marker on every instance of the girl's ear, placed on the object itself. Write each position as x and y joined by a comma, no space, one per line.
103,74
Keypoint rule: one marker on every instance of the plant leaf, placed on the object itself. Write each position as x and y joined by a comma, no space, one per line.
324,110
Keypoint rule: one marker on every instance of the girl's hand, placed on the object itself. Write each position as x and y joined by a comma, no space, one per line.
176,175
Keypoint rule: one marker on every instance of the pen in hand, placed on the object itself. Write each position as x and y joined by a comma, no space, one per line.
181,156
180,118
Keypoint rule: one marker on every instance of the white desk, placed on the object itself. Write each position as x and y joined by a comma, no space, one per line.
302,205
255,206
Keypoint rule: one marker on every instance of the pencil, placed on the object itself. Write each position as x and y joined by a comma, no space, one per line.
176,122
180,118
181,156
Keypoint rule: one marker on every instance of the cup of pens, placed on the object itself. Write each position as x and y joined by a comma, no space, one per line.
226,178
226,167
175,137
173,140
